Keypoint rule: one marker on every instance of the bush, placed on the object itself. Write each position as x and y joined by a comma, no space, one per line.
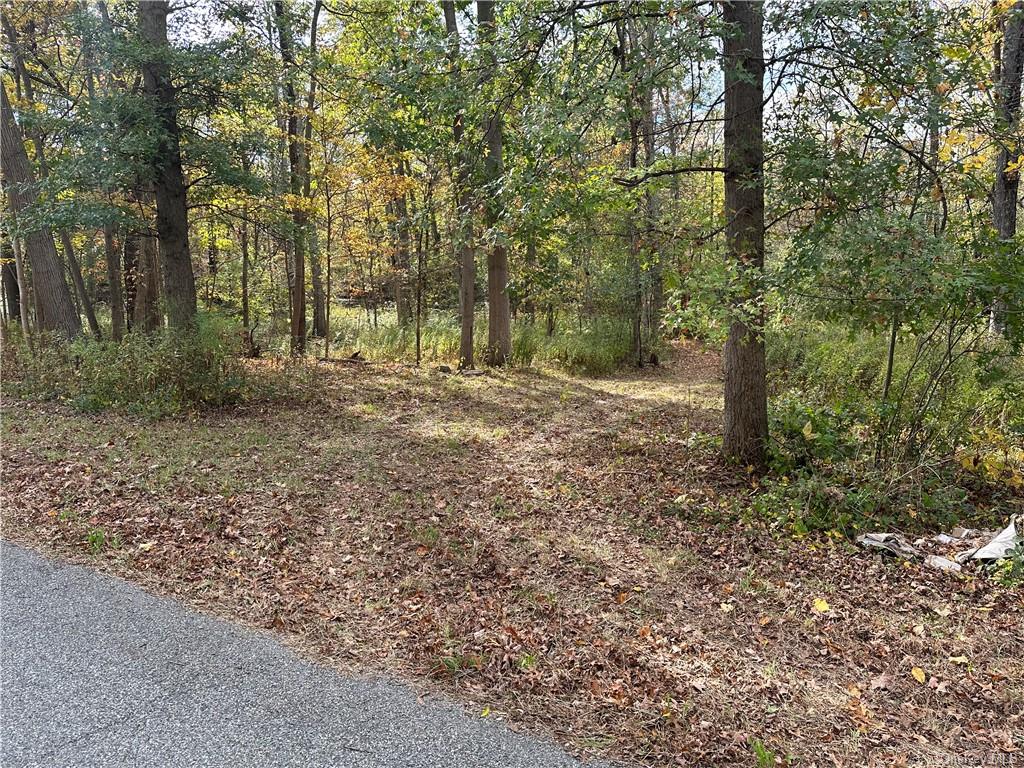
156,375
936,453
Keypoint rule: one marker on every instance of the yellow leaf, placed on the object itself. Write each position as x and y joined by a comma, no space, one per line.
959,659
808,432
918,674
486,712
821,605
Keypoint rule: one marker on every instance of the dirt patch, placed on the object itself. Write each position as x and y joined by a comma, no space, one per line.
566,553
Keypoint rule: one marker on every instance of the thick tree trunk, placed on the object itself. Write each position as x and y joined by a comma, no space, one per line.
499,311
466,258
113,257
58,309
296,163
1010,69
746,403
169,182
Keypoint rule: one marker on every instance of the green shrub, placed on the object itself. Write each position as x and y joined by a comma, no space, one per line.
156,375
937,452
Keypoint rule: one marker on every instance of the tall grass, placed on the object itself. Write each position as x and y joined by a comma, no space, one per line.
595,347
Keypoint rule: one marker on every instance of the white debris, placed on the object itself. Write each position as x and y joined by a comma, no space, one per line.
942,563
1002,545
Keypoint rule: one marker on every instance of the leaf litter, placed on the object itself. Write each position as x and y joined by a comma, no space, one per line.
560,553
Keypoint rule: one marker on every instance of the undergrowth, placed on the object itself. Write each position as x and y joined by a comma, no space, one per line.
594,347
845,459
154,375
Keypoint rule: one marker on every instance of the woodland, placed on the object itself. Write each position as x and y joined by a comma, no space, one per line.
552,355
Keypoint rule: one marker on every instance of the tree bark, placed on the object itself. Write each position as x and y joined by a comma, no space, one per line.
57,308
499,311
466,258
316,271
169,182
9,275
296,163
746,400
402,258
113,258
147,286
1010,67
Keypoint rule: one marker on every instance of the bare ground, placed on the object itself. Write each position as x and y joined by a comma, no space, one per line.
565,553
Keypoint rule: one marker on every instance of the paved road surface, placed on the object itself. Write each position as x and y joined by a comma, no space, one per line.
95,672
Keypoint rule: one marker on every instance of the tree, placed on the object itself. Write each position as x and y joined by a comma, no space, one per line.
1009,57
28,89
168,182
296,166
746,390
499,311
58,312
466,259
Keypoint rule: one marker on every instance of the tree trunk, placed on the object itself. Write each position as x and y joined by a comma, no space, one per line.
402,259
316,271
499,311
58,309
169,182
746,403
147,286
114,279
1009,68
296,164
44,171
131,276
9,276
466,258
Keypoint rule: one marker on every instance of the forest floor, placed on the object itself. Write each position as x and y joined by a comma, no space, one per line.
565,553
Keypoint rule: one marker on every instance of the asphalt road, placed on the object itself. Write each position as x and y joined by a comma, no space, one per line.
95,672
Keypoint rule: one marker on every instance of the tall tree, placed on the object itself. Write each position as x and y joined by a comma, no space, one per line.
746,392
466,258
316,272
1009,56
38,143
499,311
169,182
296,167
58,312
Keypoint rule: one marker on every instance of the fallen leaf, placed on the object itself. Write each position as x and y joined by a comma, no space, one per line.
918,674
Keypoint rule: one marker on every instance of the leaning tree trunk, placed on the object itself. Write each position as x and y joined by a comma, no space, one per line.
58,309
1010,65
746,400
169,182
74,267
499,311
